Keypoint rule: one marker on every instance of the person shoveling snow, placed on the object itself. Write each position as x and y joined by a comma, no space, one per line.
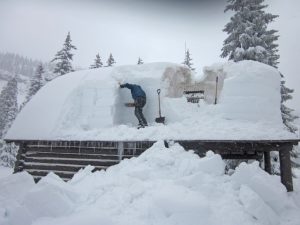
139,97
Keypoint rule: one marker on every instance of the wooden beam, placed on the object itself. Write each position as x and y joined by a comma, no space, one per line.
238,156
267,159
285,167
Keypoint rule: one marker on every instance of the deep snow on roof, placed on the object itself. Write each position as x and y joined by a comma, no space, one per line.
89,105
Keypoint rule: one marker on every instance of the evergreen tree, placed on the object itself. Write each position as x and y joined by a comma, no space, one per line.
8,153
188,60
248,36
295,155
287,114
36,83
64,57
140,61
97,62
16,64
110,61
8,105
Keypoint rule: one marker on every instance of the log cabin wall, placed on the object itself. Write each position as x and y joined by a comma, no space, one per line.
65,158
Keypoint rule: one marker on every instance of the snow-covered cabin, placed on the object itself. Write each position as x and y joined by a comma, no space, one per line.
84,112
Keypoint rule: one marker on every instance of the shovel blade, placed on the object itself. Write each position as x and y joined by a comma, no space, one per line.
160,120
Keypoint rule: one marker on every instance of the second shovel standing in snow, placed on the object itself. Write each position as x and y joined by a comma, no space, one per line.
159,119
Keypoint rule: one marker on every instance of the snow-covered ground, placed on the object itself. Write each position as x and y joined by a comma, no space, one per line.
89,105
5,171
160,187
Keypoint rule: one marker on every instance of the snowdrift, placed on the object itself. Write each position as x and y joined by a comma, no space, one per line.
162,187
89,105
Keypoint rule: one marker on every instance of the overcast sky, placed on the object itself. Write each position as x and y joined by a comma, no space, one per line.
155,30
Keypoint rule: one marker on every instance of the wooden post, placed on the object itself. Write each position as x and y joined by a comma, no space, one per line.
285,167
267,160
216,94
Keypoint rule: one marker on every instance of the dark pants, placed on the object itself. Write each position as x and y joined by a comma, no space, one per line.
138,111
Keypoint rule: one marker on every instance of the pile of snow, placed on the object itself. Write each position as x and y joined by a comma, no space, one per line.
88,105
162,186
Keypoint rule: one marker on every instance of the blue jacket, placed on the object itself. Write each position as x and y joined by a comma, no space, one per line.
136,90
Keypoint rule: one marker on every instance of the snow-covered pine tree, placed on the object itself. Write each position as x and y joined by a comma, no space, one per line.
97,62
295,156
8,153
16,64
248,36
287,114
188,60
64,57
8,105
36,83
8,112
110,61
140,61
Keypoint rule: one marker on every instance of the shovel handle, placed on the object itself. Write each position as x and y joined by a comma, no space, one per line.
159,112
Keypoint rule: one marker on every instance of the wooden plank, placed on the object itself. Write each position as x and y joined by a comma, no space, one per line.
63,163
242,156
83,151
57,167
70,161
71,155
72,150
285,167
229,146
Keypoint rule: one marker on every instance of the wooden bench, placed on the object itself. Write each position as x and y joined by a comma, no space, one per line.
194,96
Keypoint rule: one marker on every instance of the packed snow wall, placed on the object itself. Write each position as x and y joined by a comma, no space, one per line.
91,99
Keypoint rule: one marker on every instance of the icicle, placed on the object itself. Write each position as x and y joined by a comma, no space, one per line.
120,150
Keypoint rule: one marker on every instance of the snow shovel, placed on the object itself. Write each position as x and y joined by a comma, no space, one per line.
159,119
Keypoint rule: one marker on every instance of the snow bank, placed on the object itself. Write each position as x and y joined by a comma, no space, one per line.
5,171
88,105
162,186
